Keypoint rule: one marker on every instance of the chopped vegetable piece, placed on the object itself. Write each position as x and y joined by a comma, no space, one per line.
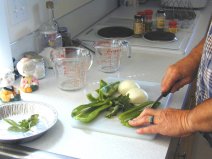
24,125
91,112
109,89
134,112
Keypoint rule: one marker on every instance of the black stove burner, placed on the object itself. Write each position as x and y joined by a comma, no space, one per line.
115,32
160,36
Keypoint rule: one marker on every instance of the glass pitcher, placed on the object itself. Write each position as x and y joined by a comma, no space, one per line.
108,53
71,65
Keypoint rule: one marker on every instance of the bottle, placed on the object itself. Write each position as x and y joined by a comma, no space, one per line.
172,26
138,26
160,20
66,37
49,30
148,20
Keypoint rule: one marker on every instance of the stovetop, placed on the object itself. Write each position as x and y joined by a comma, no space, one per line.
123,16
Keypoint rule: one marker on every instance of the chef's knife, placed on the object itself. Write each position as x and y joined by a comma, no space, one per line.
163,94
15,151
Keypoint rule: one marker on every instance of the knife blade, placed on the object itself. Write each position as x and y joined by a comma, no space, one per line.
15,151
163,94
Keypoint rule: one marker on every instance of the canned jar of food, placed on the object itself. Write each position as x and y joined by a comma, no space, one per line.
160,20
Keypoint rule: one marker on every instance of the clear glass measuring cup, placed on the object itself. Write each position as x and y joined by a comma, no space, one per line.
108,53
71,65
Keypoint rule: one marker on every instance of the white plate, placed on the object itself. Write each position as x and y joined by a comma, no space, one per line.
18,111
113,125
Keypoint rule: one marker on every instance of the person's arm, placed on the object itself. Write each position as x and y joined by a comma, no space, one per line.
200,118
183,71
174,122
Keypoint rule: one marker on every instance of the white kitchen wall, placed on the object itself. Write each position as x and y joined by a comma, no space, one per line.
77,17
5,51
34,13
89,14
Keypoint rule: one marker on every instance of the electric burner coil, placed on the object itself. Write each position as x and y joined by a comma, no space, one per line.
115,32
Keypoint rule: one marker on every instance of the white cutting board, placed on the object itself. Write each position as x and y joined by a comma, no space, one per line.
113,125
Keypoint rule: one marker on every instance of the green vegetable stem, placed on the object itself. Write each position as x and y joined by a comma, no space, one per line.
110,89
104,100
86,113
104,91
134,112
120,104
23,125
86,107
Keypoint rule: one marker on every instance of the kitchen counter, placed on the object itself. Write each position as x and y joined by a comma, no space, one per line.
64,139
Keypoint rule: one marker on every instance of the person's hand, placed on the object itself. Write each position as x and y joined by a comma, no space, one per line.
169,122
184,71
178,75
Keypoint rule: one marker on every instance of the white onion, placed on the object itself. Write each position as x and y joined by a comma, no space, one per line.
137,95
126,85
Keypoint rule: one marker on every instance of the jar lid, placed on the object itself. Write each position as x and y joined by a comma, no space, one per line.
173,23
161,11
137,16
49,4
142,13
62,29
148,12
33,55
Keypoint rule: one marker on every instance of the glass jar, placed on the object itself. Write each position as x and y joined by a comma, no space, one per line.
40,71
148,20
138,26
66,37
160,20
172,26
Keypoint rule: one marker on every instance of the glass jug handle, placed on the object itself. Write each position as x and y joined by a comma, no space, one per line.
91,60
126,45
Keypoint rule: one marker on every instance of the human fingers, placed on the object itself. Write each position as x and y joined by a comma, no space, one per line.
155,129
146,112
180,83
139,121
143,118
152,129
170,79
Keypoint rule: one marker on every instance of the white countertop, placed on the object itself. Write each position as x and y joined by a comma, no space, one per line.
64,139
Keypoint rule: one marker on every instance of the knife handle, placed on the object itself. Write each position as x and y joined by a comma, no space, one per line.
164,94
